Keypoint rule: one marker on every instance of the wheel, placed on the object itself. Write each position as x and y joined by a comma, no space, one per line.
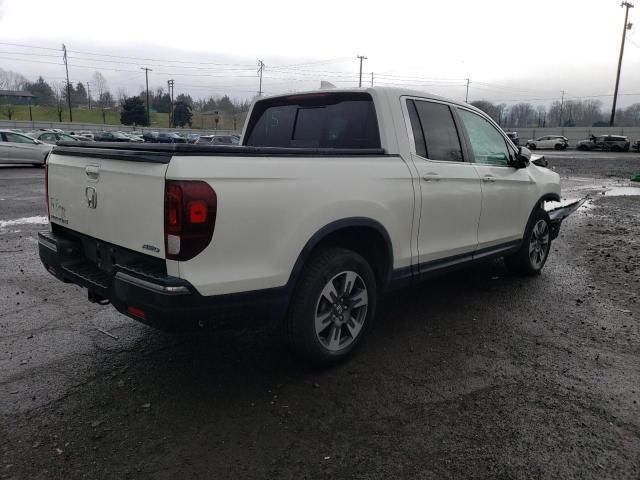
333,305
536,243
558,146
531,146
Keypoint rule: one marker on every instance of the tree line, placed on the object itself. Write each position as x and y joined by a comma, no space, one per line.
96,94
571,113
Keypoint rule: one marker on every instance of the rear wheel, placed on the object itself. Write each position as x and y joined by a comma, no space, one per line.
558,146
534,251
333,305
531,146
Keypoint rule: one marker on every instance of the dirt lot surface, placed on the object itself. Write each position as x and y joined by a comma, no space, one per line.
478,374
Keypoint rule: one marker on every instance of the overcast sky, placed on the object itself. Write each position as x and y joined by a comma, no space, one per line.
511,50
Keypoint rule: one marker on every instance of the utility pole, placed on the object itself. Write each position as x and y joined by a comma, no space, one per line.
146,76
171,85
466,97
361,57
561,108
371,79
89,94
627,26
66,67
260,69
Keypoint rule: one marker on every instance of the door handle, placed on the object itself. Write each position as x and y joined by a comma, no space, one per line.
431,177
488,178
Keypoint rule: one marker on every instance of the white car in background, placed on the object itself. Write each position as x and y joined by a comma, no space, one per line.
20,148
53,137
556,142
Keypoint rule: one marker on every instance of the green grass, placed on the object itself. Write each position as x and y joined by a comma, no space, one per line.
112,117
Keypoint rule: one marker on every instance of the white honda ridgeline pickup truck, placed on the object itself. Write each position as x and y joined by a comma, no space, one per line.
332,198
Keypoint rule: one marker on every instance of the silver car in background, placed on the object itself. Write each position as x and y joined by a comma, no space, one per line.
20,148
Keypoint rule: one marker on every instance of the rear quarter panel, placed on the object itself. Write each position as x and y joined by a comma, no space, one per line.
270,207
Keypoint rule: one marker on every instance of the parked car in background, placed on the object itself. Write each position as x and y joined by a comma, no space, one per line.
612,143
514,137
53,137
110,137
163,137
132,137
636,146
19,148
193,137
219,140
556,142
84,133
170,138
81,138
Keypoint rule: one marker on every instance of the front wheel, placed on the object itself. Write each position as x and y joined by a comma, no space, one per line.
536,244
531,146
333,305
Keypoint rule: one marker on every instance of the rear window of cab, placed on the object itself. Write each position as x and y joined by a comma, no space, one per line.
322,120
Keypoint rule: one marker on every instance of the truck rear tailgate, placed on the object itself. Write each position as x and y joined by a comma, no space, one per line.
116,197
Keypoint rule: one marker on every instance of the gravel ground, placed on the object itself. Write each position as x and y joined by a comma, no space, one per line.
477,374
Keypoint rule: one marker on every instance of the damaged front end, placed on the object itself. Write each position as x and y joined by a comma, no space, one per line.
558,211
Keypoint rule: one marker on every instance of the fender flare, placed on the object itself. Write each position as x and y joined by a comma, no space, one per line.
328,229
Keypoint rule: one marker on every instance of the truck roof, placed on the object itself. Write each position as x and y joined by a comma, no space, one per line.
384,91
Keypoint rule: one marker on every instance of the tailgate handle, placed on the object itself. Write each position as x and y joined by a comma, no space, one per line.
92,171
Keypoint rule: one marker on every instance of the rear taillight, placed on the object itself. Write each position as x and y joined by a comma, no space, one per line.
190,208
46,187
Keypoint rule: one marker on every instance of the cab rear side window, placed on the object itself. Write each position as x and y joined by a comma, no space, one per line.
434,131
326,120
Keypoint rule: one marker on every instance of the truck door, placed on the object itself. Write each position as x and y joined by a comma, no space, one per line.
508,193
449,185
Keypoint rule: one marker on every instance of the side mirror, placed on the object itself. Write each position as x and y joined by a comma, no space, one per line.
523,158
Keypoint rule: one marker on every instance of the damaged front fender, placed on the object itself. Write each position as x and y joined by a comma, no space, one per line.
558,211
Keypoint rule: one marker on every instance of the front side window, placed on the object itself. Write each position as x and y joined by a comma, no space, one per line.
489,147
326,120
16,138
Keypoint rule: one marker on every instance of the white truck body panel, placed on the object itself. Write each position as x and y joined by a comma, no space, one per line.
129,195
269,208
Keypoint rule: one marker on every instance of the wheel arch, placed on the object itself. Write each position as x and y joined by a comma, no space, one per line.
363,235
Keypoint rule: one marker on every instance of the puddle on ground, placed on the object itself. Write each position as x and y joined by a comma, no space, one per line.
39,220
621,191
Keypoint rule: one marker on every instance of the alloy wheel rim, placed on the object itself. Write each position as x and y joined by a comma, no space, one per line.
539,244
341,310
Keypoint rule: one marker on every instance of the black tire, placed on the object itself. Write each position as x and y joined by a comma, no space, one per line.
558,146
531,146
325,266
521,262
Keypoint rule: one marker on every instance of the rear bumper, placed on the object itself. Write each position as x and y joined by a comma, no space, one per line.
143,293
